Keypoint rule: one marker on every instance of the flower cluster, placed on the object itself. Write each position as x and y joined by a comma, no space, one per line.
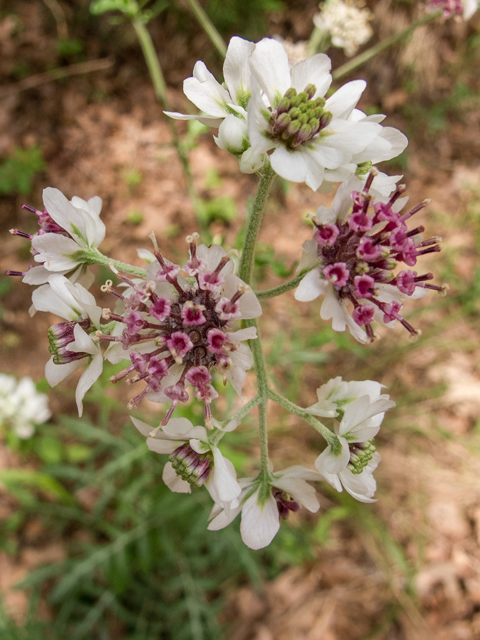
357,245
21,406
270,110
345,23
360,407
172,325
175,326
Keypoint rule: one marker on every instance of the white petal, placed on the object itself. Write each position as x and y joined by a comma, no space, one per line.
83,342
55,373
343,101
144,428
236,69
178,427
250,333
301,491
311,286
309,257
259,524
223,518
226,484
242,361
174,482
79,224
209,121
249,304
314,70
158,445
290,165
45,299
89,376
271,69
205,92
55,251
212,256
37,275
328,463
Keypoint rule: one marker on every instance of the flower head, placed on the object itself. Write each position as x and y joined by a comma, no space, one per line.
352,465
72,343
337,394
67,229
193,459
263,505
308,138
21,406
357,245
345,23
177,328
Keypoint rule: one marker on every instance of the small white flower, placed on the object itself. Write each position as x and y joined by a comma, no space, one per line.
262,505
215,100
71,342
194,461
337,394
309,139
21,406
346,24
352,467
78,229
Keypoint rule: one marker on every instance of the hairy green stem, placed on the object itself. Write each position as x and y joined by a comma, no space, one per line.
254,223
286,286
215,437
160,89
95,257
207,25
247,262
329,436
381,46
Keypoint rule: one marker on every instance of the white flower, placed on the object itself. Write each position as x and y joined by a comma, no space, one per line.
21,406
194,461
309,139
352,467
75,227
347,25
336,394
215,100
357,244
262,505
71,342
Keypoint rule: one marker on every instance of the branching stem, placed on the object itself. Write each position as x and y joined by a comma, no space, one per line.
282,288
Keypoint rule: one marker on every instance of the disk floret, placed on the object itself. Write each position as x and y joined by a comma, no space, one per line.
177,328
298,118
359,254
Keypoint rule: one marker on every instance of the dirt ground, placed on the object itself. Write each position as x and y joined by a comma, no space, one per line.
97,130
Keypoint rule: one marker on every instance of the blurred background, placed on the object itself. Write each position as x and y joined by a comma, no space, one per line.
92,545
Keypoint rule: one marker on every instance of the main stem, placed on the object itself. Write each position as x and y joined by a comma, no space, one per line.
160,89
247,262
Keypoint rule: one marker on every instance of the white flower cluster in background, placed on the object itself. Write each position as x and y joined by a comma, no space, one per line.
270,111
21,406
346,23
